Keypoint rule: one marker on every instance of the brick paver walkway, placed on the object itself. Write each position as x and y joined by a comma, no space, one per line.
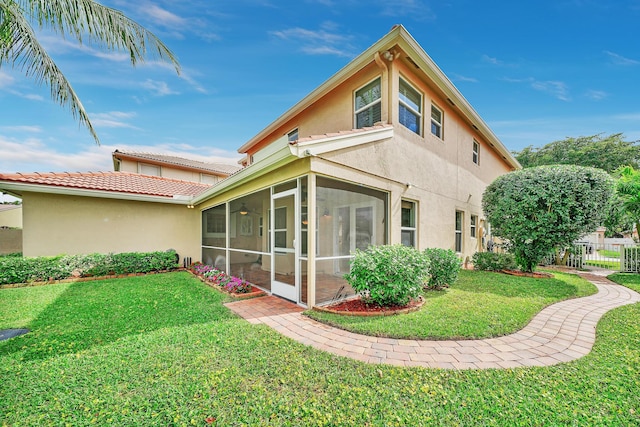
560,333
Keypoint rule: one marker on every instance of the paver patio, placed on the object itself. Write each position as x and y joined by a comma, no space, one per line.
561,332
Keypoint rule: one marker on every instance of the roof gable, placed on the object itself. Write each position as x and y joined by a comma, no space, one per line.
178,162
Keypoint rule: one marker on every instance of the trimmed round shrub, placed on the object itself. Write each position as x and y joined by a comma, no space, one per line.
388,275
444,267
493,261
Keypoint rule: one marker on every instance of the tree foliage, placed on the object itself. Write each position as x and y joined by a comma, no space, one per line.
537,209
628,191
86,21
599,151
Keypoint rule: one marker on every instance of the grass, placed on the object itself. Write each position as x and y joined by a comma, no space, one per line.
608,253
611,265
478,305
180,358
630,280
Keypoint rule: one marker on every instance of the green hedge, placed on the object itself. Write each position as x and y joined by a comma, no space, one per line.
23,270
493,261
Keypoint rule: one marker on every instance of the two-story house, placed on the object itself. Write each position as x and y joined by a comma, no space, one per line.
385,151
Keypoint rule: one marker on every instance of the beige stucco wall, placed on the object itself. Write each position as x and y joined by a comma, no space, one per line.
10,240
59,224
11,217
169,172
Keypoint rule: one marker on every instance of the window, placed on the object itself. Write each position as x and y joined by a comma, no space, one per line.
147,169
408,225
476,152
458,243
293,135
474,225
367,105
410,108
208,179
436,121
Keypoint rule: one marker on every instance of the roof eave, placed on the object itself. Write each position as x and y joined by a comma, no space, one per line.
20,188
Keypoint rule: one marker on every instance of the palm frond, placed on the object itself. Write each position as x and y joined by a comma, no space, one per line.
20,48
100,25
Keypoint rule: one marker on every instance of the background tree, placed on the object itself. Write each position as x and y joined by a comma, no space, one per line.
538,209
628,190
84,20
605,152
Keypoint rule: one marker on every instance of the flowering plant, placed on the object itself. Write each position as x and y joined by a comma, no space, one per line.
229,283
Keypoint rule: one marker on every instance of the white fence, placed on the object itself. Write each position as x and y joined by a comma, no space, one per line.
623,256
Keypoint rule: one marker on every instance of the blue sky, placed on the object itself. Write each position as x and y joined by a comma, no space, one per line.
535,71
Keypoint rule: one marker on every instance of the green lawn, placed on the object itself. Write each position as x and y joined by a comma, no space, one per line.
611,265
479,305
630,280
608,253
162,350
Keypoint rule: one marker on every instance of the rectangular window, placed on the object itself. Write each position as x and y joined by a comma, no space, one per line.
408,225
474,225
410,108
293,135
476,152
458,243
147,169
368,105
436,121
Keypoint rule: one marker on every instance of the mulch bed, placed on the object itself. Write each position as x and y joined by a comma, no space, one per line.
356,307
535,274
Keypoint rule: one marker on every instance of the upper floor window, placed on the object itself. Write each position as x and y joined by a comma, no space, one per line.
476,152
436,121
293,135
410,108
368,104
147,169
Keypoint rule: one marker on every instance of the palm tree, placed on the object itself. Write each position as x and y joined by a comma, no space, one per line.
628,188
86,21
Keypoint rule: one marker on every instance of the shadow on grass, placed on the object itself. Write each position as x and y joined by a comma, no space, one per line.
514,286
94,313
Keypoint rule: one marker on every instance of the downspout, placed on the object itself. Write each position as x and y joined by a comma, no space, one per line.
384,87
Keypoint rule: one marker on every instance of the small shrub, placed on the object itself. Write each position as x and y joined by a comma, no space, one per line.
444,267
493,261
388,275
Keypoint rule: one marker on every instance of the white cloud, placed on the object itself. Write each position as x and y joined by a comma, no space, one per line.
159,88
24,128
162,16
492,60
34,155
555,88
415,9
113,119
328,40
458,77
620,60
596,95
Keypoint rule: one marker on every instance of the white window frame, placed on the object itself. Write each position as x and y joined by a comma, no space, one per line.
404,104
434,122
476,152
293,135
473,229
366,107
149,165
412,229
458,234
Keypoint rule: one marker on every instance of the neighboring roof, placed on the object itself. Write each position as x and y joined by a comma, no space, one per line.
180,162
416,56
101,183
9,207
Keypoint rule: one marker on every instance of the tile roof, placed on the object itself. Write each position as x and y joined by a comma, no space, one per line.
342,133
117,182
217,168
